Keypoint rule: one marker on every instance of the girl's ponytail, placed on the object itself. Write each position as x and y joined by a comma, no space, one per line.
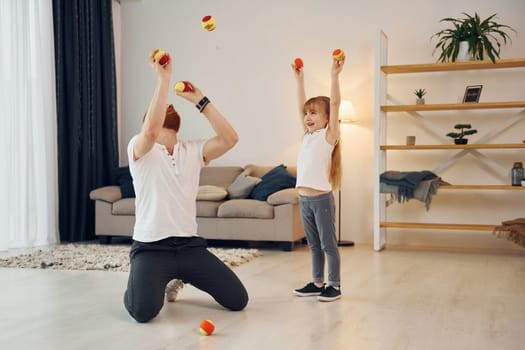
335,173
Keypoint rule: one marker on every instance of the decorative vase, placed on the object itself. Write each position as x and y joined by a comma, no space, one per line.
460,141
420,101
463,53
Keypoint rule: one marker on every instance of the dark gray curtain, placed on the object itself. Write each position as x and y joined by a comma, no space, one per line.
86,108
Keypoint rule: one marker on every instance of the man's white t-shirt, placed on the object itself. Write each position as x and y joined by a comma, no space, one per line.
165,190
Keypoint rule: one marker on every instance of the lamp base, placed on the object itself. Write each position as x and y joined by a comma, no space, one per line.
345,243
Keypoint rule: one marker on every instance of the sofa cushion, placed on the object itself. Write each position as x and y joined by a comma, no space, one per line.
125,206
245,208
286,196
242,186
211,193
221,176
207,209
122,177
260,170
274,180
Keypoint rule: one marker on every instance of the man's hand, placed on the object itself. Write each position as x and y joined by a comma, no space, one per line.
194,95
163,70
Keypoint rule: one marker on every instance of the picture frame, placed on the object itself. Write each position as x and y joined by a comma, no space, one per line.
472,94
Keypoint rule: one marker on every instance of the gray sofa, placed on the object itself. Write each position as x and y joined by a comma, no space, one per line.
275,219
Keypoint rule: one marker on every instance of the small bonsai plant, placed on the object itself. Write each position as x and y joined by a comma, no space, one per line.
420,93
464,130
483,37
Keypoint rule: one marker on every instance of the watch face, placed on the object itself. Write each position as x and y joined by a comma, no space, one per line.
202,103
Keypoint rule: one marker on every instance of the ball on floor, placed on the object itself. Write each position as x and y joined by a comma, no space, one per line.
206,327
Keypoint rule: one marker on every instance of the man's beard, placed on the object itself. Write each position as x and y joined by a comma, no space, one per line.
172,121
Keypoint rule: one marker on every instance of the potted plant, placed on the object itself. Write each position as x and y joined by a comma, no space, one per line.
464,130
481,37
420,93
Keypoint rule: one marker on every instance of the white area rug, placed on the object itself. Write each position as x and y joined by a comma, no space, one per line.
103,257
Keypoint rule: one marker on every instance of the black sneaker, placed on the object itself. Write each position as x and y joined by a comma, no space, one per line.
309,290
330,293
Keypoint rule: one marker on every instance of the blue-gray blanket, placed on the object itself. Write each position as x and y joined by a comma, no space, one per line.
406,185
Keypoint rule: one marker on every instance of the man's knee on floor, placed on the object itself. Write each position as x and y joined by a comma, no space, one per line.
143,315
238,303
238,307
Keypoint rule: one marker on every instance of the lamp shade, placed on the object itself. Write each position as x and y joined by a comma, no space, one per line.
346,112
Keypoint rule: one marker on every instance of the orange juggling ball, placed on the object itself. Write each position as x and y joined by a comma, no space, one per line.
182,86
298,63
206,327
338,55
161,56
208,23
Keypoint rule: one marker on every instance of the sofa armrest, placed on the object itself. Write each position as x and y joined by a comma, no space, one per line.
108,194
286,196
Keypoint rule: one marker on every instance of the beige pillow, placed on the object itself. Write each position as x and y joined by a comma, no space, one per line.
211,193
286,196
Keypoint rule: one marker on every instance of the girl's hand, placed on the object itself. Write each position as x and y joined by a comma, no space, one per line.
298,72
337,66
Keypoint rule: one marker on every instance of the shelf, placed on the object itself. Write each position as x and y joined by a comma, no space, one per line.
452,106
417,225
453,66
482,187
448,147
386,103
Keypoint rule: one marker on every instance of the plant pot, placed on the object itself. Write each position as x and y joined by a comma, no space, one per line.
420,101
460,141
463,53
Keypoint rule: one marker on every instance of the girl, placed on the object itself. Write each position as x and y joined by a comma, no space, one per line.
318,174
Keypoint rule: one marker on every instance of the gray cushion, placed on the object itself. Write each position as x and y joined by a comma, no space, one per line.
242,186
245,208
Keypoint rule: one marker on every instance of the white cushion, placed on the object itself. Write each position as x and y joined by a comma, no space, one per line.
211,193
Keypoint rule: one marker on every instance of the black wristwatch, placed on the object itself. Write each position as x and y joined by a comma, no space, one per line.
202,104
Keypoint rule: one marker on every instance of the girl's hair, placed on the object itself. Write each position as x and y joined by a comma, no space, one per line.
322,104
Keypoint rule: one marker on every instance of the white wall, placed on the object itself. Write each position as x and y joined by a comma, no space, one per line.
244,68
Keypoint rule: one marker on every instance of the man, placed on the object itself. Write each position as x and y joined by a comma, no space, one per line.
165,173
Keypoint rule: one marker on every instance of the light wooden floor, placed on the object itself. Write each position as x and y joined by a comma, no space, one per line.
391,300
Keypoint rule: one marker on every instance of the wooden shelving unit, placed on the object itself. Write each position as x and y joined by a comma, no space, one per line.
482,187
452,66
381,148
453,106
429,226
471,146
